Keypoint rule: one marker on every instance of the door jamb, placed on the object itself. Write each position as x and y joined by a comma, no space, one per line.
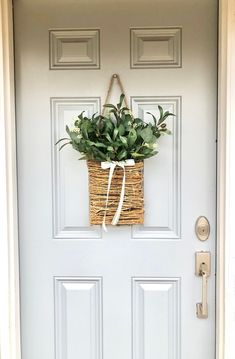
9,260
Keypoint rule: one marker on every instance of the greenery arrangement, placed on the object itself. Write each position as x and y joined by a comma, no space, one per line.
116,137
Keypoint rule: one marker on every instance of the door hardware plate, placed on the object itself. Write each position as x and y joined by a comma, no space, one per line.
200,258
202,228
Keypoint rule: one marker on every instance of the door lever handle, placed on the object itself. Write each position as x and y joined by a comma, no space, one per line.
202,308
203,264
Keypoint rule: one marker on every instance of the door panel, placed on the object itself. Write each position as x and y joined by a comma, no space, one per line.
70,220
156,318
130,293
163,215
78,314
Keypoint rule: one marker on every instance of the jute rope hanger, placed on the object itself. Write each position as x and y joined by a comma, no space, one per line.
111,83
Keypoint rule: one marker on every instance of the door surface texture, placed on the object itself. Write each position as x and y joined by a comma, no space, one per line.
130,292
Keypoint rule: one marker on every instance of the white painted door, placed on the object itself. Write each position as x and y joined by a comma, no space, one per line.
130,293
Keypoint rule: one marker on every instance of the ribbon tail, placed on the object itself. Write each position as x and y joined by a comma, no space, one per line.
111,170
104,225
119,209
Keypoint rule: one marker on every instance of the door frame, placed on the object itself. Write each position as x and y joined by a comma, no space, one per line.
10,347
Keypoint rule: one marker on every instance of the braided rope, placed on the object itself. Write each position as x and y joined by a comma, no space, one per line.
113,78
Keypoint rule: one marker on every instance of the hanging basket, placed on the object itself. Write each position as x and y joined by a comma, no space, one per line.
133,205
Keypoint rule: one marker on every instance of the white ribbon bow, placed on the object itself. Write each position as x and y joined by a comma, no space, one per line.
111,166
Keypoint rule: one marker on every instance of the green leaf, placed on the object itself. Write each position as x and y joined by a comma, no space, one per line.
123,139
165,131
121,130
99,153
110,149
65,144
128,119
153,153
81,115
164,115
115,133
74,136
154,118
93,116
161,111
119,105
84,127
99,144
82,158
67,130
132,137
122,155
146,134
108,137
137,155
62,139
109,125
109,105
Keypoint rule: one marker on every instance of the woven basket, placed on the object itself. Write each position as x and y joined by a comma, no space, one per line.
133,205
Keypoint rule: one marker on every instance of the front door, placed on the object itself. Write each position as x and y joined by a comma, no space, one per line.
130,292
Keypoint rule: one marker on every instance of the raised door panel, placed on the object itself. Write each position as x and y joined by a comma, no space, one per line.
70,178
162,173
78,318
156,318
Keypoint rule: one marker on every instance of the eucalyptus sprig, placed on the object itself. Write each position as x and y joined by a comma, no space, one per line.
116,136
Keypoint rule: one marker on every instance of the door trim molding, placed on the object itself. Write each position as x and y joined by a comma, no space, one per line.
9,261
225,294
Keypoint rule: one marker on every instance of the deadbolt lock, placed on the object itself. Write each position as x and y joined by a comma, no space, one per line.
202,228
